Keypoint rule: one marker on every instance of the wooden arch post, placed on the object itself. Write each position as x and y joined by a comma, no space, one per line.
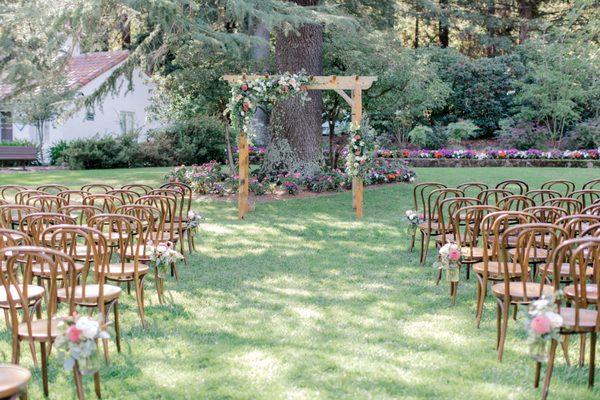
339,84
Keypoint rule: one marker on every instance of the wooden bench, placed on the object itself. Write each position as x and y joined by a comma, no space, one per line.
24,154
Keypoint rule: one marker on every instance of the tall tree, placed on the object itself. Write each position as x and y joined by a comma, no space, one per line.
444,23
293,121
528,10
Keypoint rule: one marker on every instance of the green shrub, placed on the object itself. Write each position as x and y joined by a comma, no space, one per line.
427,137
15,143
522,135
58,152
195,142
461,130
100,152
585,135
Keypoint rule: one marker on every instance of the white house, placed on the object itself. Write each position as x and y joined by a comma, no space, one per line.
124,111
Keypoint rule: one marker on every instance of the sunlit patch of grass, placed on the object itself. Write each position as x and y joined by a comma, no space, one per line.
301,301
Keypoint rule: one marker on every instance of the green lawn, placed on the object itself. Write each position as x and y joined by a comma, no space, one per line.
300,301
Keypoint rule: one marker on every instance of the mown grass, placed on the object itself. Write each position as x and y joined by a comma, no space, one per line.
301,301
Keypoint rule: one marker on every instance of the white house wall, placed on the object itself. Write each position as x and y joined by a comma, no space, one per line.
106,116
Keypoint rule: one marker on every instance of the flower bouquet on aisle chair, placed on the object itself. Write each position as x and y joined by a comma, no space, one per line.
162,257
449,260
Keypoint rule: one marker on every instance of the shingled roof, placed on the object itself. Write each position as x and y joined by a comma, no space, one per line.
83,69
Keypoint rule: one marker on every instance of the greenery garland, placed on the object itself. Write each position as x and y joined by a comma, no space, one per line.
360,150
247,95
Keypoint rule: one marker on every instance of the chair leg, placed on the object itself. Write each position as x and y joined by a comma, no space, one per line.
174,271
536,377
582,350
422,247
16,353
481,293
44,368
565,347
593,338
117,326
78,382
498,323
412,241
427,242
503,331
97,385
138,283
549,369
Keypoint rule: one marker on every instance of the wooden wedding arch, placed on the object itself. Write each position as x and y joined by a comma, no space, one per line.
339,84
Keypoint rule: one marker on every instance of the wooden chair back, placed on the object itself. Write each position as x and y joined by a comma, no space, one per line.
592,184
586,196
167,207
12,214
577,223
35,223
149,216
579,253
52,188
46,203
572,206
594,209
591,230
467,224
421,192
472,189
493,196
24,195
73,197
97,188
187,195
515,186
547,214
560,185
515,202
8,192
540,195
446,208
434,199
493,226
125,195
106,202
80,212
139,188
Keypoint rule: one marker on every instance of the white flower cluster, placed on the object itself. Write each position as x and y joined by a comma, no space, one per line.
359,153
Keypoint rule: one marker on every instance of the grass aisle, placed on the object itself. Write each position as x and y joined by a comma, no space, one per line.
300,301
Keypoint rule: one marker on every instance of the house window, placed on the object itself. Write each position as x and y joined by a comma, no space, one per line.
90,115
127,121
6,126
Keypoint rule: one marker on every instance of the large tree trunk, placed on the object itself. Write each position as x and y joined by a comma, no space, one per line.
528,10
260,58
294,122
444,24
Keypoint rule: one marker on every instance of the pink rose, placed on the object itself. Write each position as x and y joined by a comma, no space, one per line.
245,107
454,255
541,324
244,87
73,334
356,137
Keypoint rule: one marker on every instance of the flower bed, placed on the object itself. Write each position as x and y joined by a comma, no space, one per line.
212,178
512,154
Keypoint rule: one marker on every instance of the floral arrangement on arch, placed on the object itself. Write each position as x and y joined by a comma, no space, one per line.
77,342
246,95
360,151
542,324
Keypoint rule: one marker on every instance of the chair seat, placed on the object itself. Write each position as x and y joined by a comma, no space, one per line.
565,270
166,236
472,253
587,318
450,237
34,293
517,293
125,271
496,269
44,270
511,241
435,226
39,329
591,292
92,292
13,380
535,254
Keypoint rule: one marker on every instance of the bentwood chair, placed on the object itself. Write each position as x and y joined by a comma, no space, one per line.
12,214
578,318
539,196
177,215
96,188
515,203
106,202
592,230
592,184
88,246
594,209
431,226
52,188
21,298
490,269
186,206
546,214
73,197
472,189
127,268
420,193
571,205
517,287
516,186
575,224
493,196
587,196
125,195
46,203
23,196
139,188
8,192
561,185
